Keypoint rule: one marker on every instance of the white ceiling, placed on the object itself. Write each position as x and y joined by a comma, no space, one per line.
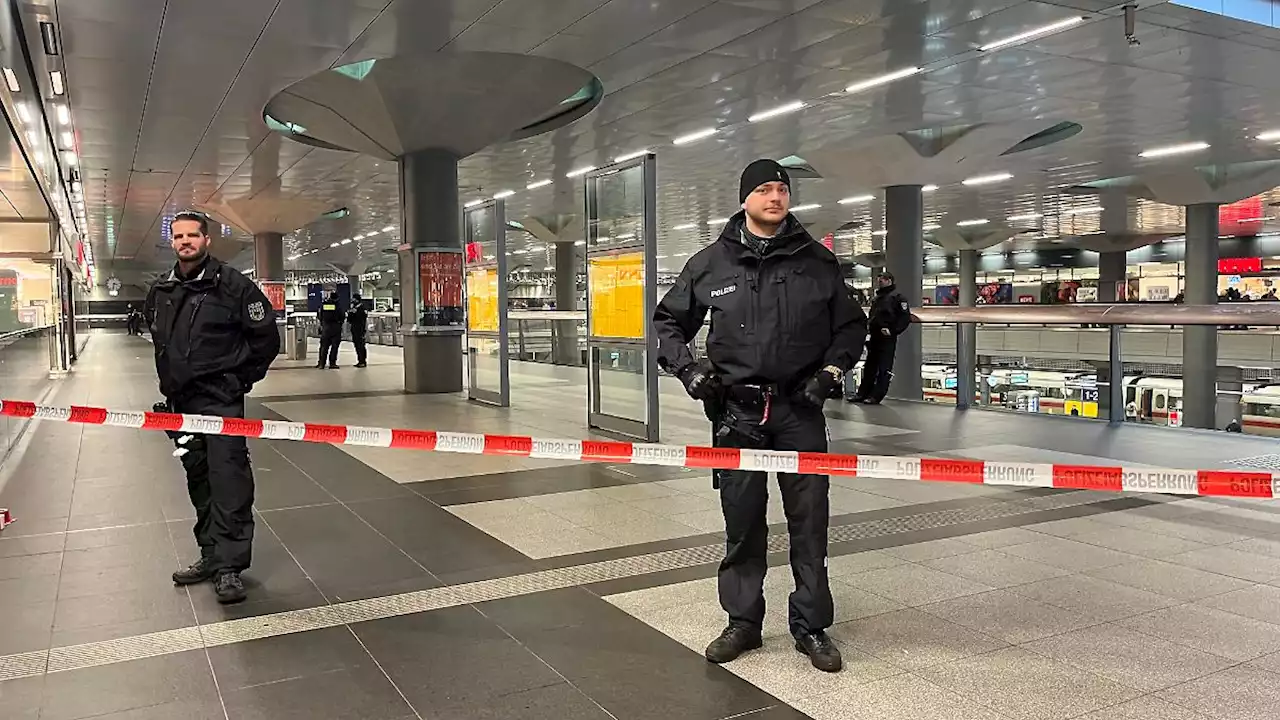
167,100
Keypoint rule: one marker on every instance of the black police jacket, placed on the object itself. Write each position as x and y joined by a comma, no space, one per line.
330,314
776,319
358,319
213,333
890,309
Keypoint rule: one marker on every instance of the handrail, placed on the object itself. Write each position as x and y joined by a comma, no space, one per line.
1252,314
24,331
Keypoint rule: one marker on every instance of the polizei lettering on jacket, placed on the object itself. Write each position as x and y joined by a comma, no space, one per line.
1161,481
724,291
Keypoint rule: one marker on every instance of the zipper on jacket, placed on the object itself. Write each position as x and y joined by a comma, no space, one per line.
195,310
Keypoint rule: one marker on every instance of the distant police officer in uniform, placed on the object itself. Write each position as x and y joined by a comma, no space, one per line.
890,317
358,320
215,336
330,330
783,333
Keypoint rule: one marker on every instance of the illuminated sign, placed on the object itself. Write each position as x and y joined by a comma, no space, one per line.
1239,266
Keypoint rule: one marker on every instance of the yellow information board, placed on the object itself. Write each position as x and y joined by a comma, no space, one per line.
617,295
482,299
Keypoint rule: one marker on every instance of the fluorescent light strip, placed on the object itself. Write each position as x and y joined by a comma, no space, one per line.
1020,218
857,199
536,185
631,156
928,188
718,221
881,80
1265,137
775,112
930,226
988,179
803,208
55,79
686,226
696,136
976,221
64,114
580,171
24,112
473,203
503,194
1083,211
389,228
1174,150
68,139
1052,27
11,80
880,233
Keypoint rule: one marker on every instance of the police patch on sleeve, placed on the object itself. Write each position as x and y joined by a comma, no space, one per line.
257,312
904,306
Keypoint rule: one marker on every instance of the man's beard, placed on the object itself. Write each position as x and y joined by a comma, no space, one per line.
197,259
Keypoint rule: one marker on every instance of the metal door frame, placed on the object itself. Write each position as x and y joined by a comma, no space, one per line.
501,398
647,243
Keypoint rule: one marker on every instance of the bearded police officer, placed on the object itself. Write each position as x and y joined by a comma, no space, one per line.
215,336
784,331
890,317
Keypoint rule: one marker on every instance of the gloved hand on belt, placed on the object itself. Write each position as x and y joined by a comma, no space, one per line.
701,382
818,388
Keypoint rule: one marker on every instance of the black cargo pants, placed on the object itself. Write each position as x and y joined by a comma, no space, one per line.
877,371
744,498
362,352
220,484
330,339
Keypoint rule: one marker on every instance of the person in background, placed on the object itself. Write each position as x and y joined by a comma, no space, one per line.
358,320
330,330
132,320
890,317
215,337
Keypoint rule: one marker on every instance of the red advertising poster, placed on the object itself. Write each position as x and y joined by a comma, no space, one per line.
1242,218
440,283
1239,266
274,291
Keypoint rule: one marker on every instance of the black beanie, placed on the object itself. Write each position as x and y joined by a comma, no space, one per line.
759,173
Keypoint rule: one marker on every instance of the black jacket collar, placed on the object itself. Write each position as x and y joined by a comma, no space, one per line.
207,276
791,237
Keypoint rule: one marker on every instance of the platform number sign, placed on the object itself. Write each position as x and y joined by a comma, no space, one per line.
1089,395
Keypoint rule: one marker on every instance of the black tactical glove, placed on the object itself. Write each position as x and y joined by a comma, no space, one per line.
701,382
818,388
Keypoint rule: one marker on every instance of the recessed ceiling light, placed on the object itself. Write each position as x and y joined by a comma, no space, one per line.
64,114
686,226
803,208
1083,211
68,139
882,79
880,233
931,226
389,228
536,185
1021,218
928,188
11,80
976,221
775,112
1174,150
334,245
55,79
1265,137
717,221
857,199
580,171
473,203
631,156
503,194
579,243
988,179
1042,30
695,136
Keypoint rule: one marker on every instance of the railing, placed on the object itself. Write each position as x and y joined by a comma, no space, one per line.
1163,364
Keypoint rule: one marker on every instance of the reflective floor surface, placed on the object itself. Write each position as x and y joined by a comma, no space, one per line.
392,584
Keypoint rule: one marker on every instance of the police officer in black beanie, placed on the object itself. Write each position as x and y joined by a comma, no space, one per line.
784,331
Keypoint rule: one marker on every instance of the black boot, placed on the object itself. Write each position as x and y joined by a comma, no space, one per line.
821,651
734,641
229,588
197,572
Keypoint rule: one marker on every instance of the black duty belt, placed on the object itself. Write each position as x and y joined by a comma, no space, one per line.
754,397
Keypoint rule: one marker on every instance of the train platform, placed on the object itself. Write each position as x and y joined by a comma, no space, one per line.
390,584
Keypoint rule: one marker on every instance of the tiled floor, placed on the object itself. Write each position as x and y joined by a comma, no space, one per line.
402,585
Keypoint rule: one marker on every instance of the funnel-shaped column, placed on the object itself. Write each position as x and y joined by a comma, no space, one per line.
1200,342
904,258
268,256
429,203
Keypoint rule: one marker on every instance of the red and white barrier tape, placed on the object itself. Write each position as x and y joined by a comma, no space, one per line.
1220,483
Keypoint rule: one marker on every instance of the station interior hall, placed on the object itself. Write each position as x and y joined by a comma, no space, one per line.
1078,200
